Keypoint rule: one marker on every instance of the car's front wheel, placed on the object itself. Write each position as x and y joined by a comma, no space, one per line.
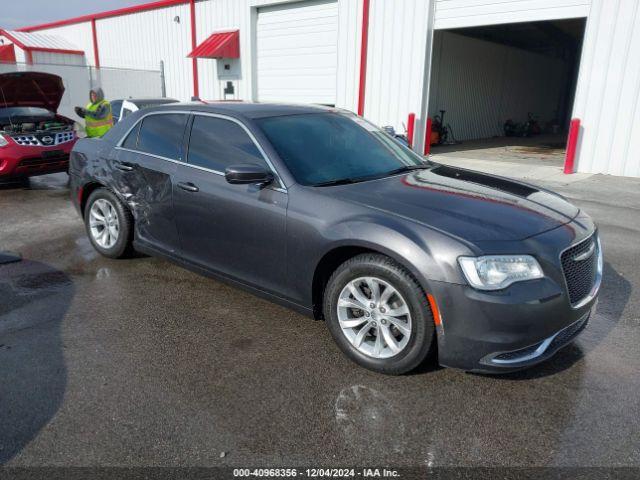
109,224
379,315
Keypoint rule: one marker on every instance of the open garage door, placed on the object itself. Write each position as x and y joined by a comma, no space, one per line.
505,92
472,13
297,52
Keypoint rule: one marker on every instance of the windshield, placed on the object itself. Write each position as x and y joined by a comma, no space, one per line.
9,114
324,148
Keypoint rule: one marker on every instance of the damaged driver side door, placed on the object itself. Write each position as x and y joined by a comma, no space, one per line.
144,168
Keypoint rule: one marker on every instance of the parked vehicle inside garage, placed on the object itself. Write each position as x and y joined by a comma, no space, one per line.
123,108
34,139
320,210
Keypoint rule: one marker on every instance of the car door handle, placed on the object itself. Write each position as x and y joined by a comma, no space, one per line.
188,186
124,166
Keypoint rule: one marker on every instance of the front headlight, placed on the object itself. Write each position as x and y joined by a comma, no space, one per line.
3,141
496,272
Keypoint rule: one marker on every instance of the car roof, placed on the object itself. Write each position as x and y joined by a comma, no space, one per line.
149,101
249,109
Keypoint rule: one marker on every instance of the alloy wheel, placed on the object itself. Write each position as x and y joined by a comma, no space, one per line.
104,224
374,317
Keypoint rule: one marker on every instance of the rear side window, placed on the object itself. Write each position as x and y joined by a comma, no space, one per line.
132,139
216,143
162,135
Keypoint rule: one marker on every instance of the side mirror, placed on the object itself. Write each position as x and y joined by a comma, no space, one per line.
248,174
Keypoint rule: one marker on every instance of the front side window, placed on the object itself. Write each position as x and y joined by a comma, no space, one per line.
321,148
162,135
216,144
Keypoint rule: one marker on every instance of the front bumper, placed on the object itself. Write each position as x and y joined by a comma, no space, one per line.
525,324
25,161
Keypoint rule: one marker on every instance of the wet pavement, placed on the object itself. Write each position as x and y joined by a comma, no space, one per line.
139,362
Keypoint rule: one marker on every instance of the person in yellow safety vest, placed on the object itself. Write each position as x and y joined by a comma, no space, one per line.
97,114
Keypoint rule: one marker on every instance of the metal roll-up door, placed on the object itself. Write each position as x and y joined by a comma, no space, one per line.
297,52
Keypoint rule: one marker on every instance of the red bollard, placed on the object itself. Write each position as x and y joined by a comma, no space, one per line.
411,125
427,137
572,145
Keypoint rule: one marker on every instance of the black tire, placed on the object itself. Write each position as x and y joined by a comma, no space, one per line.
422,337
123,247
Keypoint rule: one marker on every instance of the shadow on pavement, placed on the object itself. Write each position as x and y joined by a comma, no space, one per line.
34,299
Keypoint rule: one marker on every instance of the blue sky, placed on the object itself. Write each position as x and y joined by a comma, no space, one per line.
22,13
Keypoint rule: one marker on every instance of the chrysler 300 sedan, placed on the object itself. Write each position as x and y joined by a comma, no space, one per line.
319,210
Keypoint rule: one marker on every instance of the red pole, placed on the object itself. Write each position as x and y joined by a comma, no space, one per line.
96,51
194,44
427,137
572,145
411,125
364,46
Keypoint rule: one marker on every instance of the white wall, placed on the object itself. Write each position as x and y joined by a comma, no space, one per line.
80,34
608,92
58,58
141,40
395,66
215,15
482,84
468,13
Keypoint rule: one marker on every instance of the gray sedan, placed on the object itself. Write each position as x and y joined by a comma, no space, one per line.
318,209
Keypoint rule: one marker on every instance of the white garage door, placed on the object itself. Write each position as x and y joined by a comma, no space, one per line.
472,13
297,52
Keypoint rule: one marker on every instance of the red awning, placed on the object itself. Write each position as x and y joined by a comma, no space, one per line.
7,53
219,45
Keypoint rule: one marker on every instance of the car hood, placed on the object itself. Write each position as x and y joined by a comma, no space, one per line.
463,203
31,89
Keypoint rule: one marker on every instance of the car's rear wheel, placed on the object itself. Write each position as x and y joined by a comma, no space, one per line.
379,315
109,224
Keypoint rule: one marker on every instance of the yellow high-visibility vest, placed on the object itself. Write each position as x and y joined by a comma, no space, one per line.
98,127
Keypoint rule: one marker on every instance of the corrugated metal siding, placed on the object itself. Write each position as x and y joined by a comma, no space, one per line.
213,15
608,92
467,13
395,66
78,34
482,84
297,52
142,40
40,40
349,40
58,58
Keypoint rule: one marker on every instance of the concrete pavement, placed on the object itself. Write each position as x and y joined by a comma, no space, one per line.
139,362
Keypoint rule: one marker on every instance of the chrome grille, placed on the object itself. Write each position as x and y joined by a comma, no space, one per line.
43,139
26,140
580,268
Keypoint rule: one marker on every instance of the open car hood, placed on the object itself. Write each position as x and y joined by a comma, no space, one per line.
31,89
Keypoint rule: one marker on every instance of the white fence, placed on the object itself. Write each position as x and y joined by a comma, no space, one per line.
78,80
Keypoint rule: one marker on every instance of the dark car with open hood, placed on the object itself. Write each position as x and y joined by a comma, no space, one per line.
34,139
317,209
